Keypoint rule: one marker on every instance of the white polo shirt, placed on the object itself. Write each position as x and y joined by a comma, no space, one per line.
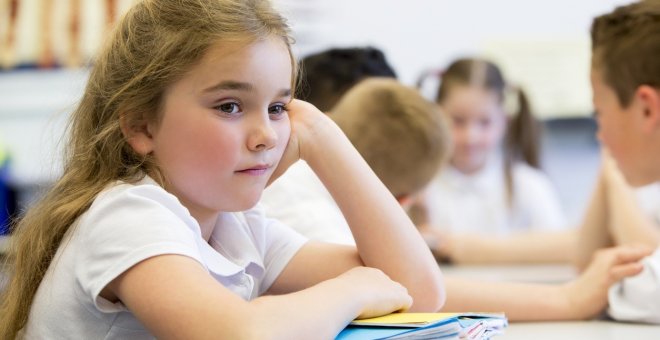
299,199
477,203
129,223
637,298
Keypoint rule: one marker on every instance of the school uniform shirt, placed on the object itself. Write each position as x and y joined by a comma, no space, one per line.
648,198
637,298
299,200
128,223
477,203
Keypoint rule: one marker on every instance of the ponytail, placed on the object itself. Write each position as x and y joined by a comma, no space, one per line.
522,141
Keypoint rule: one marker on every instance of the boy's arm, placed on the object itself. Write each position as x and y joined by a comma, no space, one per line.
582,298
385,237
593,233
628,224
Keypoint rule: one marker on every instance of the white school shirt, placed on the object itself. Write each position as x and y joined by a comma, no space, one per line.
299,200
477,203
637,298
128,223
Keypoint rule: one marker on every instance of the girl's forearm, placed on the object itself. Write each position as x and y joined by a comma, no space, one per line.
385,236
528,247
519,301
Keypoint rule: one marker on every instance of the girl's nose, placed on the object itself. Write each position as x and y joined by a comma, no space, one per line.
262,135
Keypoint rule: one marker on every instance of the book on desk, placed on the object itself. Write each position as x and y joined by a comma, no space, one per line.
426,326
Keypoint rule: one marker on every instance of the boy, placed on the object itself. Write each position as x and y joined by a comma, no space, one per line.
625,77
327,75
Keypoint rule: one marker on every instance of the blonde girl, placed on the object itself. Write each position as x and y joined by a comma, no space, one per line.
152,230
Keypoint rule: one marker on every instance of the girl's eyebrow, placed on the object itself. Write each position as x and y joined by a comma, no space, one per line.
240,86
230,85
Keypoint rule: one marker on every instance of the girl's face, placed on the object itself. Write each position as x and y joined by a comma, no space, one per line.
478,123
224,127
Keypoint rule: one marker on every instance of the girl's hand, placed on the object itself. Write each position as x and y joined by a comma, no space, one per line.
306,122
375,291
587,295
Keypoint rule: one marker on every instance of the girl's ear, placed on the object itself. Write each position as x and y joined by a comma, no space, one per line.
138,134
649,98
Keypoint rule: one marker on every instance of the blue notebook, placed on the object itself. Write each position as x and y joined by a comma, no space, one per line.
426,326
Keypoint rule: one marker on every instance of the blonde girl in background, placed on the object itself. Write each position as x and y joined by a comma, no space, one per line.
152,230
493,185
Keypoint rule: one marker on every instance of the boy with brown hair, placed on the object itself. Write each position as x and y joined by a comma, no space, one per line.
400,134
625,77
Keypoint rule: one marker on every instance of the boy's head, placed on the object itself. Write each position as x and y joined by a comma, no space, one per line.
401,135
625,76
329,74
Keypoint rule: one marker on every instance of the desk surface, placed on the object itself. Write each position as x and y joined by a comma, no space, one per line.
587,330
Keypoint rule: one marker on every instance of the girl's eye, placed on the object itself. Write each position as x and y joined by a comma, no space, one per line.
276,111
484,122
228,108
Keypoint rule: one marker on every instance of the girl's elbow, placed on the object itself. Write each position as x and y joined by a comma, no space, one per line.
432,297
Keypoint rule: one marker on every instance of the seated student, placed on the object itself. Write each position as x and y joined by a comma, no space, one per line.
625,77
407,124
400,135
492,185
152,230
327,75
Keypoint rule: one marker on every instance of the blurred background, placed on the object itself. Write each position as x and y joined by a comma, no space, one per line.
46,47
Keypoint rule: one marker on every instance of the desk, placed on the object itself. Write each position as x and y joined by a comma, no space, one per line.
551,274
587,330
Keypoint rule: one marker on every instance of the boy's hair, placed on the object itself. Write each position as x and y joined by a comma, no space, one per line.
329,74
523,137
626,48
401,135
155,44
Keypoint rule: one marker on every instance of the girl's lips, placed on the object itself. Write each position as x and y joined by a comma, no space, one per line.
256,171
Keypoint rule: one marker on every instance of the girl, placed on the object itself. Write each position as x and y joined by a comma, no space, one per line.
484,191
152,229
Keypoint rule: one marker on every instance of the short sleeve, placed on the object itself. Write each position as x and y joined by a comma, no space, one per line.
125,226
637,298
279,244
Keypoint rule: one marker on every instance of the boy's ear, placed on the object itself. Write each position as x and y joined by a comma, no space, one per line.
405,201
649,98
138,134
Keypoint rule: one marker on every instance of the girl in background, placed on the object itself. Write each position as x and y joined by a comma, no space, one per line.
493,185
152,230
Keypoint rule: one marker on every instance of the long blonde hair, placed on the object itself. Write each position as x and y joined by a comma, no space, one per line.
153,46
